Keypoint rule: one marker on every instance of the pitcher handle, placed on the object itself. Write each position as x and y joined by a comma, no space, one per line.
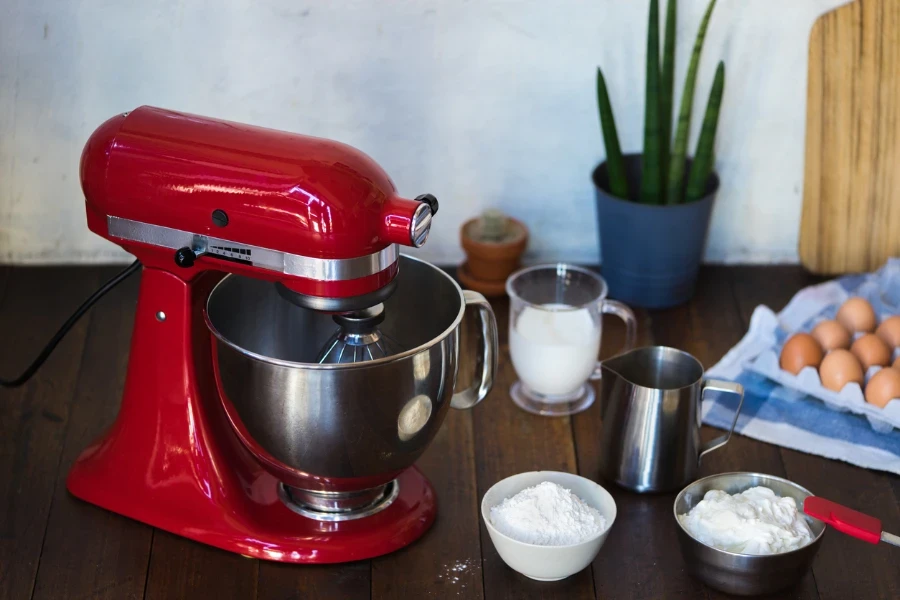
486,357
721,386
611,307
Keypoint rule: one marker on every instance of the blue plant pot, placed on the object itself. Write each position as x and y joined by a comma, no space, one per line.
650,254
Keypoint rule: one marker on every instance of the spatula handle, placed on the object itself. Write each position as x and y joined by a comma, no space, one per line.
844,519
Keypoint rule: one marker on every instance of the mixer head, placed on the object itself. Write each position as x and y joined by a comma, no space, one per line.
186,193
358,338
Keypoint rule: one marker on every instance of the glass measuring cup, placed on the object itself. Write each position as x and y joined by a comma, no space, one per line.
555,332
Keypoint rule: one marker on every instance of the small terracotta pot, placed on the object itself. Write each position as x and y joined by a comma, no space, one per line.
493,262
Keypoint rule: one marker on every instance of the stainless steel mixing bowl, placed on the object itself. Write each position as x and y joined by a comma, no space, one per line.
744,574
344,427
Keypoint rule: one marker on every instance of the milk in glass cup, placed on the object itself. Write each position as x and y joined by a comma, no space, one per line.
555,331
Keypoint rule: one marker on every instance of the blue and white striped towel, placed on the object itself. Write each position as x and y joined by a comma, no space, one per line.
785,417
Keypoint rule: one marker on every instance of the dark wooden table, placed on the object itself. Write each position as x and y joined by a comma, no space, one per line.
53,546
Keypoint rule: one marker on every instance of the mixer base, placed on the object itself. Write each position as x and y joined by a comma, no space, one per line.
171,459
270,530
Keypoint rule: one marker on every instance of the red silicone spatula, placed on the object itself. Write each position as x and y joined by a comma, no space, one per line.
848,521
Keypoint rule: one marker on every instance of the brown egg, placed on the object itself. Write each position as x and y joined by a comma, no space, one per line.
831,335
801,350
856,314
889,331
883,387
871,351
838,368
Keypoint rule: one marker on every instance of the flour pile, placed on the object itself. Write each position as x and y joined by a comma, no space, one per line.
547,515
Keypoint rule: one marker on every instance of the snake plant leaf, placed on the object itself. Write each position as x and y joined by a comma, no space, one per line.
704,157
679,151
668,83
615,164
651,179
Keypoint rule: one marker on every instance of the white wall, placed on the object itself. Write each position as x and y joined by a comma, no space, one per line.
483,103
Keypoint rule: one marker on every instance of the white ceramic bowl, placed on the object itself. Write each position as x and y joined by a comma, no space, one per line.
548,563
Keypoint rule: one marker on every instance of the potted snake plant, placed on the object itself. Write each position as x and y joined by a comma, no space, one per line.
654,208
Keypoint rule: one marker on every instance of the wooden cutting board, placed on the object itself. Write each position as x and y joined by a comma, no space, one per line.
851,194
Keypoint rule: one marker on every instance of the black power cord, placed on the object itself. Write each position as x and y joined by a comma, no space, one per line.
56,339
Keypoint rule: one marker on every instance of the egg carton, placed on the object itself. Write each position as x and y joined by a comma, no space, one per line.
849,399
760,349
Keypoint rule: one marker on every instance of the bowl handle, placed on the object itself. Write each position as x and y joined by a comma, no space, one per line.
486,357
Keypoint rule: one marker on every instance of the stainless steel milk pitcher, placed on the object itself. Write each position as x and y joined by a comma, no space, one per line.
650,400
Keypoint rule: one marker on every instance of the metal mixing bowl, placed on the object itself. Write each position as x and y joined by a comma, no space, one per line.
346,427
744,574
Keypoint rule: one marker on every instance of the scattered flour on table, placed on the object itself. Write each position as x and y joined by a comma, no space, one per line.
756,521
547,515
453,573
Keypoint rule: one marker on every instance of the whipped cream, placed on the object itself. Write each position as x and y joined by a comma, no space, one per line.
756,521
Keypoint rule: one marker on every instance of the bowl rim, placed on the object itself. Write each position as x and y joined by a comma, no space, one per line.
368,364
678,497
487,521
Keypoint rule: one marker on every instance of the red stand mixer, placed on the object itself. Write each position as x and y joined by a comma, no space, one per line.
287,365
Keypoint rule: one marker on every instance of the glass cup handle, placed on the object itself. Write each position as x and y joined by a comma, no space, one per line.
611,307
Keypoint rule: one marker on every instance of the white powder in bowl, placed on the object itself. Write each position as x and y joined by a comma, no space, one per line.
547,515
756,521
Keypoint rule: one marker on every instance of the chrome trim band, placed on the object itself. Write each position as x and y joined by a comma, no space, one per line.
317,269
